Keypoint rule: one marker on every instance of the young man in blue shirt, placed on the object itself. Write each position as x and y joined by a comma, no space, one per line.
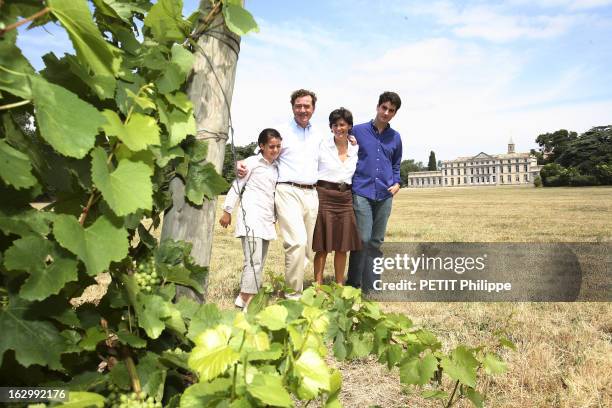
376,181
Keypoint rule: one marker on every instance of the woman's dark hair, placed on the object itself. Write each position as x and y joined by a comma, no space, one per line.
266,135
341,113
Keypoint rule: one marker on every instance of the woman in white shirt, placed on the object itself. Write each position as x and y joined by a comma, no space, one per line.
336,228
255,226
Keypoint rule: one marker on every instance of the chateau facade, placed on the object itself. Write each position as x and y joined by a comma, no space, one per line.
480,170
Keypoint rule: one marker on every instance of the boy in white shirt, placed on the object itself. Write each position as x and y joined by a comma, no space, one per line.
255,225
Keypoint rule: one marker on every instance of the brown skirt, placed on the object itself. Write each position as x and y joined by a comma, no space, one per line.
336,227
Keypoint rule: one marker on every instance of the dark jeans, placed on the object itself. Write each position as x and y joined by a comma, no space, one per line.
372,219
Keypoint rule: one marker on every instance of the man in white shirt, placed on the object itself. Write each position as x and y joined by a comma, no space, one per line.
296,196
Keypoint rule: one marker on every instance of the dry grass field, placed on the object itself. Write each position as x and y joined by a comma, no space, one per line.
564,350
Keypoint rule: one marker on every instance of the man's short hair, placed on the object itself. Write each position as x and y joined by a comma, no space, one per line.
303,92
341,113
390,97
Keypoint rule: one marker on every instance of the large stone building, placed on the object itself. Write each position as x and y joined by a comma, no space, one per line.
481,170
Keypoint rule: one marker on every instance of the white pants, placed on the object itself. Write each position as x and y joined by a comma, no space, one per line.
255,251
296,209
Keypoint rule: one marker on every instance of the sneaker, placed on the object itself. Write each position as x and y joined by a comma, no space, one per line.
293,296
239,302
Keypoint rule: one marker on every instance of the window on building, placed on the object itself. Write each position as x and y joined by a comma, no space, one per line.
525,167
517,160
452,182
493,170
509,178
493,178
445,174
509,169
446,182
459,181
517,178
518,168
452,172
526,177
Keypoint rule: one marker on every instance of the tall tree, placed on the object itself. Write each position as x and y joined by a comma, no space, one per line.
431,166
552,145
407,167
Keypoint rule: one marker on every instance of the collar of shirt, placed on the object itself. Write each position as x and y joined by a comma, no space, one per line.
372,123
331,144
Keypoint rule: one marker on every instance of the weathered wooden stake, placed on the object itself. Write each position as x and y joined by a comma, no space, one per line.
210,89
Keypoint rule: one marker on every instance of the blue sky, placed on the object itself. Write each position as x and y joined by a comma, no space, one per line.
471,74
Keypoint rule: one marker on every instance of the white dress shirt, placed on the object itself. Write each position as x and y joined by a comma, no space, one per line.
257,199
331,168
299,153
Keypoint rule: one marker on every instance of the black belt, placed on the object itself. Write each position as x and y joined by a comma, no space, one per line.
291,183
334,186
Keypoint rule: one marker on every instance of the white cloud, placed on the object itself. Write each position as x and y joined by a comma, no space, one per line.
495,23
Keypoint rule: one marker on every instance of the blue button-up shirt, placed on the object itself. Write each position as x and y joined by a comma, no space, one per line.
378,166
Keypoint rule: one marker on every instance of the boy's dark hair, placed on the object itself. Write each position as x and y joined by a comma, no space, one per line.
341,113
266,135
390,97
303,92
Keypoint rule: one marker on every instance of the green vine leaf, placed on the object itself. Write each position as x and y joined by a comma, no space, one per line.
15,167
461,366
68,123
138,133
91,48
83,399
128,188
176,72
237,19
212,354
203,181
152,311
273,317
165,19
49,266
34,342
418,370
493,364
269,389
11,58
97,245
313,372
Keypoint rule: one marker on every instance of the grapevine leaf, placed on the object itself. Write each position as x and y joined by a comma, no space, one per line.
93,336
142,101
137,134
130,339
11,58
171,359
461,366
269,389
69,124
15,167
181,275
273,317
493,365
434,394
176,72
181,101
239,20
212,354
34,342
152,375
166,21
126,189
49,266
203,394
91,48
152,310
122,9
82,399
417,370
335,381
274,353
313,372
97,245
474,396
179,125
339,347
203,181
360,344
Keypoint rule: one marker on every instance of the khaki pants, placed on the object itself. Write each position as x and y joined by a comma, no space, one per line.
255,251
296,209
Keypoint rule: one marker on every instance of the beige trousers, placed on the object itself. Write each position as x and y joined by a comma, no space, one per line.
296,210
